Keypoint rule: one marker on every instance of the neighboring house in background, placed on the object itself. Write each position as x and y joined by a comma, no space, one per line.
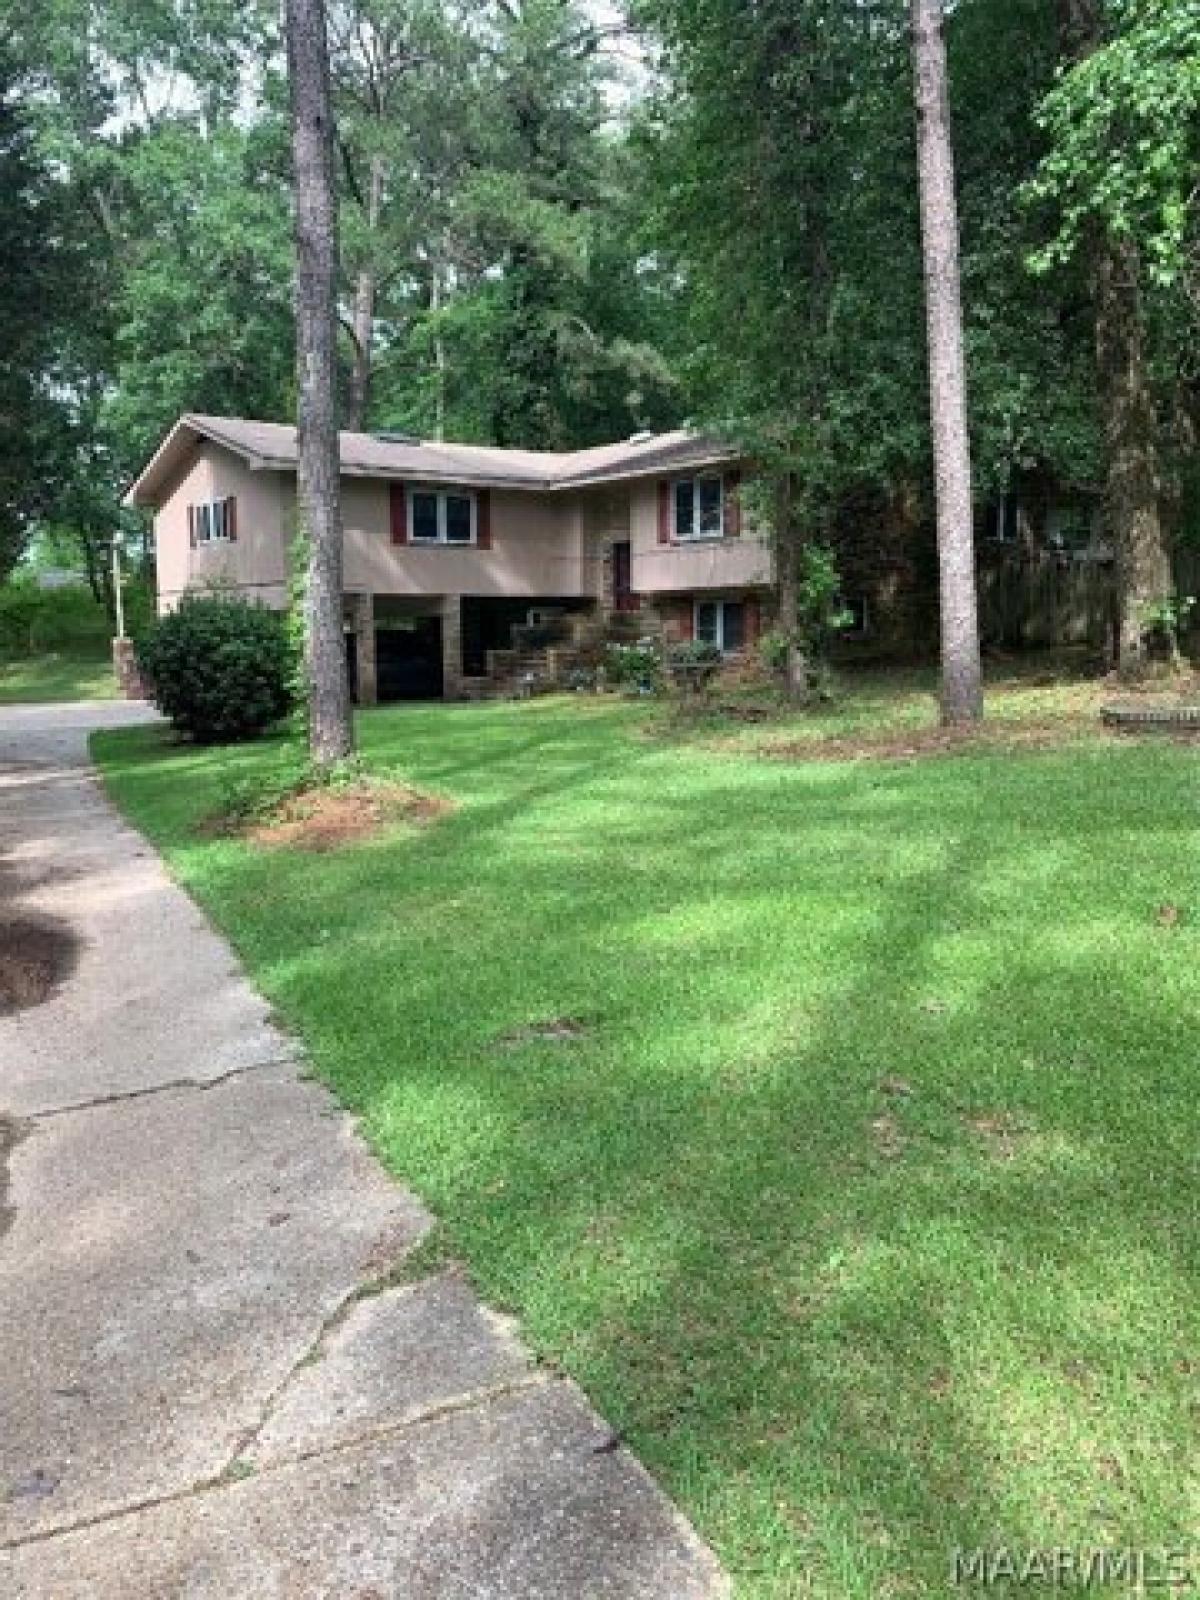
449,548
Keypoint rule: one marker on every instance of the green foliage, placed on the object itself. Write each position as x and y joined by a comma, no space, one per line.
40,271
1166,622
1123,126
780,178
220,668
33,620
691,666
820,613
635,666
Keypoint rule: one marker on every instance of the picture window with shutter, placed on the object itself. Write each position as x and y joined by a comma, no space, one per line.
699,507
442,516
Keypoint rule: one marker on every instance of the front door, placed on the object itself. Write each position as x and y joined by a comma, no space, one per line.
624,598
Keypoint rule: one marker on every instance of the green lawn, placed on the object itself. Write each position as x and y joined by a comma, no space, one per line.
57,675
867,1202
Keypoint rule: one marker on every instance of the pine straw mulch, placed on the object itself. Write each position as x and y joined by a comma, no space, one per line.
322,819
915,744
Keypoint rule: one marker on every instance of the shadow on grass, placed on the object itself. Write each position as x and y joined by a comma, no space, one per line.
865,1203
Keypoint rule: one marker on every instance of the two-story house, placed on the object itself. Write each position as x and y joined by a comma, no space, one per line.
448,547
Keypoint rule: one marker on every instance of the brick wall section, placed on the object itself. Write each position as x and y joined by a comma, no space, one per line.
452,650
125,669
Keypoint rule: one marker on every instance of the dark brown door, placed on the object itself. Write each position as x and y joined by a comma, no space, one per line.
624,598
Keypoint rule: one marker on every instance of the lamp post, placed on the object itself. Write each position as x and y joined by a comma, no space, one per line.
118,600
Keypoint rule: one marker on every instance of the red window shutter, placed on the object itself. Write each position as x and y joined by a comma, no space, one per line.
753,621
687,620
664,511
231,518
733,504
191,511
399,512
483,519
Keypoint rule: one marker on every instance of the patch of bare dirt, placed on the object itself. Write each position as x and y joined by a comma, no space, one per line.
1000,1132
555,1030
326,819
887,1136
36,954
918,744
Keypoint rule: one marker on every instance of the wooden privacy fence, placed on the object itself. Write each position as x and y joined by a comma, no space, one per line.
1045,598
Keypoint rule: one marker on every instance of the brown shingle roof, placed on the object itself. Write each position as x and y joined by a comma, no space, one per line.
273,446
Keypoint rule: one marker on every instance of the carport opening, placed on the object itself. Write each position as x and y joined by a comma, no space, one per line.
408,656
487,624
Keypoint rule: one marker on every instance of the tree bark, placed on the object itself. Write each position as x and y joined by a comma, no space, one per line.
787,539
439,357
330,732
363,325
1134,486
962,690
1144,573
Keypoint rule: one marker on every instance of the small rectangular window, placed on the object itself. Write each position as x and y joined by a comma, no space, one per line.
733,625
685,508
721,623
458,519
699,508
708,622
441,516
425,518
710,508
210,520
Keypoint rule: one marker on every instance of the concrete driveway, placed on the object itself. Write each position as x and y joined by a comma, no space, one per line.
210,1385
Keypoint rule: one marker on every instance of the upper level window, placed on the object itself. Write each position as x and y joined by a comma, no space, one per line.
441,516
699,508
213,521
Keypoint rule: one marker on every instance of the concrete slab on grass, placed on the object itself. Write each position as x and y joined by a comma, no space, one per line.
395,1356
170,1261
507,1501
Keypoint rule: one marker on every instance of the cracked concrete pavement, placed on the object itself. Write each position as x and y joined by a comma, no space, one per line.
211,1384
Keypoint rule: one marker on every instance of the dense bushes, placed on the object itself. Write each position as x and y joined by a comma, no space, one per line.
219,668
34,621
634,666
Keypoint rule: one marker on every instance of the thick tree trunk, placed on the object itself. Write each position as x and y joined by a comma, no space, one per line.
330,734
1144,575
363,326
787,540
1134,477
962,691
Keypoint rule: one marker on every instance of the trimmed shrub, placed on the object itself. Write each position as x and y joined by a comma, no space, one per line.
219,668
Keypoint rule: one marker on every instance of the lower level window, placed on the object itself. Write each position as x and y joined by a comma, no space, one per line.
438,516
721,622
